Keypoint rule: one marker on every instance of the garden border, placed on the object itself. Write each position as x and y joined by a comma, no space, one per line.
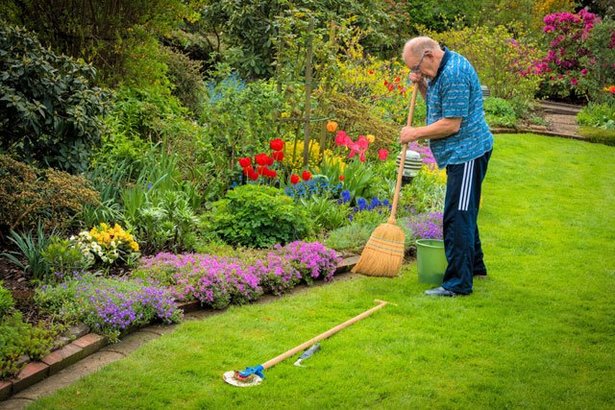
87,344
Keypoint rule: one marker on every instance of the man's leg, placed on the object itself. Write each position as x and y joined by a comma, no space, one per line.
479,268
459,226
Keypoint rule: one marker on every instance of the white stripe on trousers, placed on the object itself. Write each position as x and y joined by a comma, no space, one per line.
466,186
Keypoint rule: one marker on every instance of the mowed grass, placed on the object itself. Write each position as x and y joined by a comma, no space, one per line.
539,333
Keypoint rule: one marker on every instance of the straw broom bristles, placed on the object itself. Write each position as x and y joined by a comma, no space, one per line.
383,254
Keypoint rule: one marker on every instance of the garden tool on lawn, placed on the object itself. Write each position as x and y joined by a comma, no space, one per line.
383,254
307,354
254,375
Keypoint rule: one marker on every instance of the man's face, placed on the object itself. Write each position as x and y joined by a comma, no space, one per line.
421,64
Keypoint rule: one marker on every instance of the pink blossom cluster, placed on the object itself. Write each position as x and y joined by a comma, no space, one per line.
219,281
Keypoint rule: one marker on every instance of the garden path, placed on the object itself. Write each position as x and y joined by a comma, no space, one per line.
561,118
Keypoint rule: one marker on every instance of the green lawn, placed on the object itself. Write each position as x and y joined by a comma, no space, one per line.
539,333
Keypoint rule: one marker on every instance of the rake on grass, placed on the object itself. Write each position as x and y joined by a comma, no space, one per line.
383,254
254,375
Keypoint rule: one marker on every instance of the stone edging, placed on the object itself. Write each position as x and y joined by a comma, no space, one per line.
523,130
84,346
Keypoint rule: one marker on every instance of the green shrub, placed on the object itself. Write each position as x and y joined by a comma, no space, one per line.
6,301
350,238
18,338
503,60
63,257
600,69
259,216
326,214
425,193
28,194
598,115
598,135
499,112
49,111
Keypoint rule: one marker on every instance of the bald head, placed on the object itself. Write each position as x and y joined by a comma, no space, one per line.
417,47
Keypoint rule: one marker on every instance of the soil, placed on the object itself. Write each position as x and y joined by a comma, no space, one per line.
22,289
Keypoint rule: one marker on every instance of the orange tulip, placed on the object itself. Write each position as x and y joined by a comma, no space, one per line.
331,126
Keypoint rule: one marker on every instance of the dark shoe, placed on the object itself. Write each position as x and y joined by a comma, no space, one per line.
440,291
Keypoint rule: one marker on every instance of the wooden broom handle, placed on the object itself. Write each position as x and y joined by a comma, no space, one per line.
328,333
404,148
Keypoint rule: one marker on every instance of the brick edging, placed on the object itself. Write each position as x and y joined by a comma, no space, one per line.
59,359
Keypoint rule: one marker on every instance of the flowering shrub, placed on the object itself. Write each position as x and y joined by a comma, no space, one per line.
107,244
426,225
312,260
109,306
571,63
218,281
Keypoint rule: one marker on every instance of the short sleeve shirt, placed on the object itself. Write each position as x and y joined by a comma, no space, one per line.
455,93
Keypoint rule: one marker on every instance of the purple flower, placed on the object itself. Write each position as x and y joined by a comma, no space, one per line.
426,226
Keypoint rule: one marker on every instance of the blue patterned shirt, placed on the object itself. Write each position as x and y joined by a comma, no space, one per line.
455,93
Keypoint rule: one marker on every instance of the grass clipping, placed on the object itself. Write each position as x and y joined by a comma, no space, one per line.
383,254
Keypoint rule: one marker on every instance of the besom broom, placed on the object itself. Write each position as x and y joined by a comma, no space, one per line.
383,254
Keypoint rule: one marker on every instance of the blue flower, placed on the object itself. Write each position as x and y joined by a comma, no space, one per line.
374,203
362,203
346,197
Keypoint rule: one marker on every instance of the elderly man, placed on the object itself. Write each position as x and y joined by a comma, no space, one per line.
461,142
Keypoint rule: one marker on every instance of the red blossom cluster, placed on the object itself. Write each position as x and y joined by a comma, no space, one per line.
305,175
263,162
395,85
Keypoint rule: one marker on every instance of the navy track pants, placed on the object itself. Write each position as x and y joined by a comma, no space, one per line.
461,239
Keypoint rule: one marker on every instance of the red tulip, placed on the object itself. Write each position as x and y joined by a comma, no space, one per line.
253,175
262,159
294,179
245,162
276,144
306,175
247,170
278,155
342,178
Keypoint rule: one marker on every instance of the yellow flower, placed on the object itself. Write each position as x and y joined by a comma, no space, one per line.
134,246
371,138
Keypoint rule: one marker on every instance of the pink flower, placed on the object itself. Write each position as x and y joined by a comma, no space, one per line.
584,71
383,154
574,81
342,139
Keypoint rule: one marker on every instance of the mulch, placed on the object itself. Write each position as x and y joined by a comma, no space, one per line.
22,289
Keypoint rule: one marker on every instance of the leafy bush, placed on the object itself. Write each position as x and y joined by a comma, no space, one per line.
28,194
259,216
598,115
326,214
504,62
499,112
63,257
49,111
17,339
600,71
426,192
6,301
350,238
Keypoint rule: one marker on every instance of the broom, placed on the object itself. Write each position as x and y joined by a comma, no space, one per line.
383,254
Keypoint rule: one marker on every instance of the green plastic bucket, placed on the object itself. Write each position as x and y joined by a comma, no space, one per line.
430,260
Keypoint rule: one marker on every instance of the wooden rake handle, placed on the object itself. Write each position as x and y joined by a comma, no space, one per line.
328,333
404,148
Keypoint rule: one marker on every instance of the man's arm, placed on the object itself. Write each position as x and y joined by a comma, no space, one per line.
442,128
